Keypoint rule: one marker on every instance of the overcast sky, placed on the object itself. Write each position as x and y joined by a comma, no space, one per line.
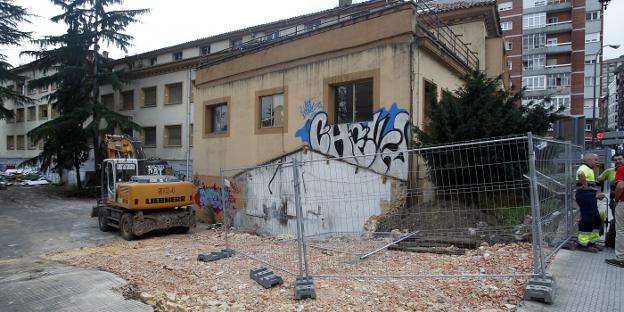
173,22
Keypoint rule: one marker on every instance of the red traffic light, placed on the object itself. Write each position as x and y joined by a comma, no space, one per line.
599,136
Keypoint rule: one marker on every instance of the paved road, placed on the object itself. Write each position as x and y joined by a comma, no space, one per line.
584,282
37,220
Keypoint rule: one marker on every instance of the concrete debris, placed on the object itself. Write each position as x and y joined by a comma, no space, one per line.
21,177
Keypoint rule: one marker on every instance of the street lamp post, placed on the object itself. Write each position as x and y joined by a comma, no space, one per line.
593,123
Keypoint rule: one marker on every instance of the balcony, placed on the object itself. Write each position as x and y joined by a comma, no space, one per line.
565,47
550,69
547,92
551,6
552,28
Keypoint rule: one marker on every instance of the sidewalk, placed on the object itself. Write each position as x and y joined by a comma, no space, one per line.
584,282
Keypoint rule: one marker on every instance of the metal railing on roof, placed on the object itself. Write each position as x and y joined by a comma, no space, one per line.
428,21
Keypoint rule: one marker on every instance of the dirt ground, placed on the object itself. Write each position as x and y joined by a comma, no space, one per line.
164,271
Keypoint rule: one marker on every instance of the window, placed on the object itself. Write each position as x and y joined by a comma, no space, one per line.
272,111
192,97
191,135
353,101
592,16
10,142
509,65
273,36
312,25
109,101
552,42
153,61
177,56
127,100
589,81
588,126
31,143
505,6
236,42
19,115
21,142
558,80
20,88
508,45
148,97
31,113
551,62
148,136
534,83
506,25
560,102
216,118
534,20
430,97
31,90
173,93
553,20
592,37
533,61
590,58
533,41
43,112
173,135
204,50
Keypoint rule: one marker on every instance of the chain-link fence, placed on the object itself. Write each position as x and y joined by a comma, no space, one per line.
407,213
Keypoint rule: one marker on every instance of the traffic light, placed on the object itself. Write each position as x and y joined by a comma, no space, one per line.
599,136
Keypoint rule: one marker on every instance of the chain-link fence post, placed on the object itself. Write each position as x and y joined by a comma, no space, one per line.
538,255
304,286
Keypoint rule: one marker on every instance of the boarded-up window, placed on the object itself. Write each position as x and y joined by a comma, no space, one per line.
430,98
148,97
173,93
31,113
148,136
21,142
43,112
173,135
108,100
127,100
353,101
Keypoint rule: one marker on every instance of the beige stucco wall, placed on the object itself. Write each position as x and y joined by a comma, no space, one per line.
474,33
243,147
428,68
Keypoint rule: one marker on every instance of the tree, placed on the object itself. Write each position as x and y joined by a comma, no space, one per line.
10,17
72,62
482,109
492,112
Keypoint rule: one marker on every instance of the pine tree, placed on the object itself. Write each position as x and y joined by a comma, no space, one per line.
11,16
72,62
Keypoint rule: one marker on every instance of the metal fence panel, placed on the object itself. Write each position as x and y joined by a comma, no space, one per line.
350,217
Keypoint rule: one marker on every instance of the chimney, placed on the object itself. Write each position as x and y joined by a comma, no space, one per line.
344,3
105,54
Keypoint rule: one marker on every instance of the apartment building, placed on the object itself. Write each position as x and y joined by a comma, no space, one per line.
607,103
551,48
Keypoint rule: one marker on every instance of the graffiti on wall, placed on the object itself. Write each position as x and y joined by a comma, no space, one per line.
380,143
310,108
211,197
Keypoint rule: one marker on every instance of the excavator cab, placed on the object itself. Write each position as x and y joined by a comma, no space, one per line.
117,171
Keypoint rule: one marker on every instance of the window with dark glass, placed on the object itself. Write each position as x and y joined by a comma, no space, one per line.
148,136
218,120
353,101
148,97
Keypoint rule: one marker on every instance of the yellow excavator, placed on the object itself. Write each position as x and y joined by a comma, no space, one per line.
136,197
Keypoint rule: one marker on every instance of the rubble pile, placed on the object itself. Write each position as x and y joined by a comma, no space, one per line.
168,276
21,177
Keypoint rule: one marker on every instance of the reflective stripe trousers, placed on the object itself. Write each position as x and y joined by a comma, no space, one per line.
589,226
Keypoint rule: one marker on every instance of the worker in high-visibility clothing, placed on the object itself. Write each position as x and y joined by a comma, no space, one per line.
586,196
609,176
